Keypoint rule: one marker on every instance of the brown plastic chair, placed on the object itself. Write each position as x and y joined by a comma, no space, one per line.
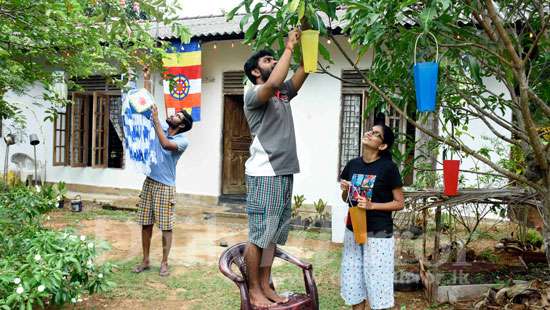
235,255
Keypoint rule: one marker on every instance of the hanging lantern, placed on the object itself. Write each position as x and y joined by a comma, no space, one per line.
425,80
359,224
451,169
310,49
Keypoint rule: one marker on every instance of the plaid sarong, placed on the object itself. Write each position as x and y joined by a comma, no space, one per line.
156,204
268,204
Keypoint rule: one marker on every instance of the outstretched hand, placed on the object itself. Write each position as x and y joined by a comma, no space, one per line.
293,37
154,112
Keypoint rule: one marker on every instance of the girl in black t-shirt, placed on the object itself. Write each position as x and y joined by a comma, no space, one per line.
371,182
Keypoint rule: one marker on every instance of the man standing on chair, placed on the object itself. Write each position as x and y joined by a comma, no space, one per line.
273,162
158,195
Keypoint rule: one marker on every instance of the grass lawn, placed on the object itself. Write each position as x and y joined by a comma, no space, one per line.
200,285
204,287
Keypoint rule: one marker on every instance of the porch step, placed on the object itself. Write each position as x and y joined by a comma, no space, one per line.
232,199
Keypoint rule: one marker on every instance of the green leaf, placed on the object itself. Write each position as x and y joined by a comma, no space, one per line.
252,30
256,11
325,53
243,21
426,17
232,13
475,70
445,4
11,299
293,5
301,10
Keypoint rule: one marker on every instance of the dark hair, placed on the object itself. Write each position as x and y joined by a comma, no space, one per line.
187,121
389,139
252,63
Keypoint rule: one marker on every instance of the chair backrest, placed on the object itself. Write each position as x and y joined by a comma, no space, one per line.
233,255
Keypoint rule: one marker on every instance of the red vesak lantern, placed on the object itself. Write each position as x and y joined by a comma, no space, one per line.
450,176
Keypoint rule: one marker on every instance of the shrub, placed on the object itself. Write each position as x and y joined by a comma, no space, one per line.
37,265
534,238
320,206
488,255
298,202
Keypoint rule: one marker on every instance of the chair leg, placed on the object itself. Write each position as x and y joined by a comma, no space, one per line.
245,297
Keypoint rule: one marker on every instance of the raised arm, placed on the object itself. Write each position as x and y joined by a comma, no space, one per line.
279,73
164,142
299,77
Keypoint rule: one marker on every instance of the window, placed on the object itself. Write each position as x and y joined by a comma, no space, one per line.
351,129
89,133
61,138
351,120
353,124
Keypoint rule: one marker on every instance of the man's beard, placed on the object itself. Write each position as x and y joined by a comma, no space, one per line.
171,124
265,74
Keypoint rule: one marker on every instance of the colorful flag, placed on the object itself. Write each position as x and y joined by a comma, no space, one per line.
182,79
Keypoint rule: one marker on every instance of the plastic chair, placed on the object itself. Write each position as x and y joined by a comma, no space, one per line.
235,255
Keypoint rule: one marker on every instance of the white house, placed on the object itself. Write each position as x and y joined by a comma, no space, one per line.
327,117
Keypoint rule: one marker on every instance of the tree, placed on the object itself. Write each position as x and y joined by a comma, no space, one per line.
479,40
80,37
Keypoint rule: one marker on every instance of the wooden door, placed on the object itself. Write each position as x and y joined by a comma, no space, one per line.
236,143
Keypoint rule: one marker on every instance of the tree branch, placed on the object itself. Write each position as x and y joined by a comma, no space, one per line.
530,126
497,133
503,34
497,120
490,32
465,149
543,105
500,77
536,40
325,71
467,44
465,171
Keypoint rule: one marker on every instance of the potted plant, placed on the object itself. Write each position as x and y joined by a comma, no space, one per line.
320,206
298,203
61,189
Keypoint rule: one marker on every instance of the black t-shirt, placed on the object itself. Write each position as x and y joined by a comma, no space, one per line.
374,180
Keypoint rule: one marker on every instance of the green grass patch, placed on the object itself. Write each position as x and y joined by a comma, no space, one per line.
204,287
135,285
310,234
92,213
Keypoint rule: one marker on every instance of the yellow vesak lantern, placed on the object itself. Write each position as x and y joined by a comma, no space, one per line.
359,224
310,49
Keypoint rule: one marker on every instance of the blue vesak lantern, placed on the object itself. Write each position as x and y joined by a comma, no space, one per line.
425,80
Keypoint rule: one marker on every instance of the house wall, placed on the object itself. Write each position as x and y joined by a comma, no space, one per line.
316,113
479,136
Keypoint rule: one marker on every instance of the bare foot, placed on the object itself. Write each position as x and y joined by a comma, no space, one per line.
142,267
164,272
272,295
258,300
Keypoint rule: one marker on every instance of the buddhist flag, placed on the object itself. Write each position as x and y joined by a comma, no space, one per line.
182,79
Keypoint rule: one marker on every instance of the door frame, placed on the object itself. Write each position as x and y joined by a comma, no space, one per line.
230,87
